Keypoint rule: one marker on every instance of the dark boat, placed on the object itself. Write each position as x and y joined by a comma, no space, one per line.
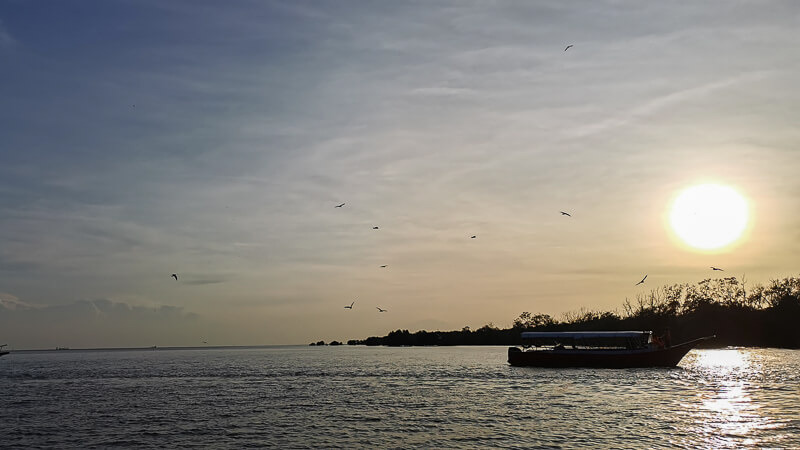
608,349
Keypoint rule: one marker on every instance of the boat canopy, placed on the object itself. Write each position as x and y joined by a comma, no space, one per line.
582,334
595,339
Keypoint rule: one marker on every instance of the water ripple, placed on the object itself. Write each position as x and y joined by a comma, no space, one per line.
357,397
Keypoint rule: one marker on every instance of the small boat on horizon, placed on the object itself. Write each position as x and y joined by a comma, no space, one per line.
605,349
3,352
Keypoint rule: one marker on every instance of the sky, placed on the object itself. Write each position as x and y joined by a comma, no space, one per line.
214,139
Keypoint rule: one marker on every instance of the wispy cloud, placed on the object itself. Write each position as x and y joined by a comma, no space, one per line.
205,280
94,322
661,102
6,40
12,303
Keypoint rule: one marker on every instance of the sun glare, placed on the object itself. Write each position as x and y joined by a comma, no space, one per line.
709,216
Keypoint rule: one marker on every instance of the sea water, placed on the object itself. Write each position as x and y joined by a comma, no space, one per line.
380,397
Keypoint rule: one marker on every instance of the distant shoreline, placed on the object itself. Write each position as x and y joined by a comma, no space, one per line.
739,315
130,349
754,317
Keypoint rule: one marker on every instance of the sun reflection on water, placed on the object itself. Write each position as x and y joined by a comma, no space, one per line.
723,361
723,411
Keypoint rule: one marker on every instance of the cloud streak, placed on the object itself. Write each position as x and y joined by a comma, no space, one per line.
6,40
92,322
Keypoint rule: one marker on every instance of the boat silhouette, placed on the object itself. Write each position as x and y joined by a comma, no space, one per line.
609,349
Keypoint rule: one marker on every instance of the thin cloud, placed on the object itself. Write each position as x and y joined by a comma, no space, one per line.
11,303
92,308
94,323
662,102
10,265
6,40
204,281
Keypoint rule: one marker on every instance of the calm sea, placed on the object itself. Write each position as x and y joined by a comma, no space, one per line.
376,397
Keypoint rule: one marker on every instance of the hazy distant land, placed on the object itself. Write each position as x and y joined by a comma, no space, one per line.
738,315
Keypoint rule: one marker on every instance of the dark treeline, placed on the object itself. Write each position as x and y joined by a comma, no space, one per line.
756,317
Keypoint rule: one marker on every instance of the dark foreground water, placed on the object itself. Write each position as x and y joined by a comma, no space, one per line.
379,397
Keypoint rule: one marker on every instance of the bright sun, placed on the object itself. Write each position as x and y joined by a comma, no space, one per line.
709,216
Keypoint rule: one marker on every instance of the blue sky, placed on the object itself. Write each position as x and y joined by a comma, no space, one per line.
212,140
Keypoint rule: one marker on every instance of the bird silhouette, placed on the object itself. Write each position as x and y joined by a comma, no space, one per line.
716,268
204,342
375,228
339,206
473,237
381,310
175,275
351,306
565,213
568,47
641,281
384,266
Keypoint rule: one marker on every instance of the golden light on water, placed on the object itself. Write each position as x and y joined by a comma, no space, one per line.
726,414
709,216
722,360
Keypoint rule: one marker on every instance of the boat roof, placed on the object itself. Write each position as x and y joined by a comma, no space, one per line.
582,334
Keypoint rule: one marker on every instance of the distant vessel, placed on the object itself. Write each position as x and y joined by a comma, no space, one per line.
62,348
610,349
3,352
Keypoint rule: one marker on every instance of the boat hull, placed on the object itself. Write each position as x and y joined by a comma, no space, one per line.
657,357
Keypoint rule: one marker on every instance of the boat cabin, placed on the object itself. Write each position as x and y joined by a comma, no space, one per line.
586,340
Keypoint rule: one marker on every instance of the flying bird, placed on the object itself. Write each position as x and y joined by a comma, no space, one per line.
175,275
339,206
641,281
473,237
381,310
568,47
375,228
351,306
716,268
384,266
565,213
